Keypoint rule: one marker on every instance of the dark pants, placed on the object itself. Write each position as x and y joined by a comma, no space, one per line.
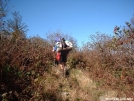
63,57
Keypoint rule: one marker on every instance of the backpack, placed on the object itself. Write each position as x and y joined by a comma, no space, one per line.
58,56
63,45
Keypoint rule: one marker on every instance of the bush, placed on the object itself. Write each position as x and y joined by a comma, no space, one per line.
22,60
76,60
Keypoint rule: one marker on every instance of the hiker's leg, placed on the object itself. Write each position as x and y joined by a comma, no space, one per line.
63,69
63,62
62,65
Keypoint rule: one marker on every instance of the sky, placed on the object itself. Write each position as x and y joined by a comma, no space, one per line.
77,18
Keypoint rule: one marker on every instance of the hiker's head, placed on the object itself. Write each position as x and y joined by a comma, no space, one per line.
63,39
57,40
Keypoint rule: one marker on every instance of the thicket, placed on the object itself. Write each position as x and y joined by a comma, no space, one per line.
22,60
108,60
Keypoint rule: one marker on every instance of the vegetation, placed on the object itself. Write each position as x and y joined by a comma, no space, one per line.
101,69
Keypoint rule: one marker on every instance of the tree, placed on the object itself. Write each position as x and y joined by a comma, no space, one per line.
3,12
16,26
52,36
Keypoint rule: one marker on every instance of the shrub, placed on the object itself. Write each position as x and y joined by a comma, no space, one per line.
22,60
76,60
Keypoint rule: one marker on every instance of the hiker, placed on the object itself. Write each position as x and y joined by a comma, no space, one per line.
62,48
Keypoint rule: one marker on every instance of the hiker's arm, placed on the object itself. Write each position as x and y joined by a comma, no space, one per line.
54,48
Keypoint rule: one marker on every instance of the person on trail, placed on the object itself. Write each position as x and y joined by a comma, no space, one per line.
62,48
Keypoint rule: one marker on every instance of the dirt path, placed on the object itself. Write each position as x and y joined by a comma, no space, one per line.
78,86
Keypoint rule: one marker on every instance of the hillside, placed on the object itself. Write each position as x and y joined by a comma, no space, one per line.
100,70
98,74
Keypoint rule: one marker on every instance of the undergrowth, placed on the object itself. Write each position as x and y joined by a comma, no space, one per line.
106,65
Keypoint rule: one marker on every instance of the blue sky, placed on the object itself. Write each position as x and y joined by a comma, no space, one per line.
77,18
